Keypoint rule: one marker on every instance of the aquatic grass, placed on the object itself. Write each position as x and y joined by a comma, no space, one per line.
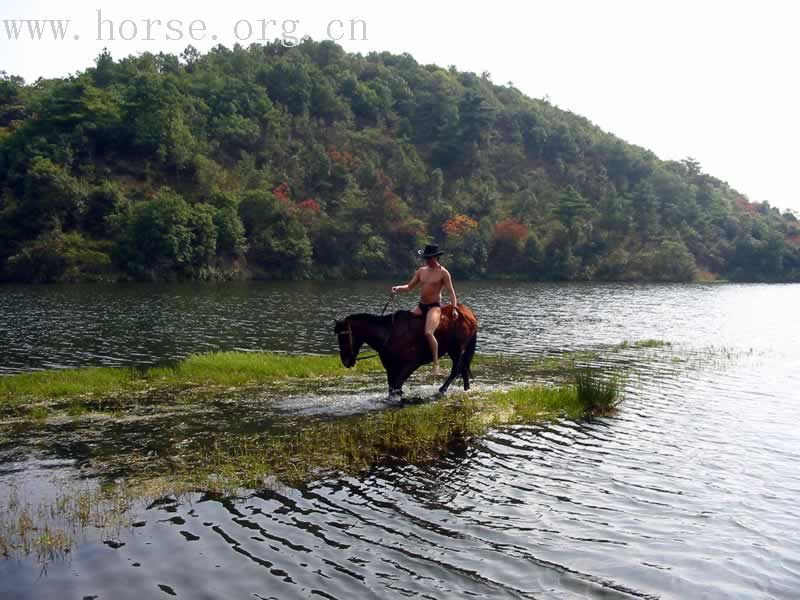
48,529
597,394
71,382
98,388
229,369
560,365
238,368
646,343
413,433
302,451
523,405
347,445
38,413
77,408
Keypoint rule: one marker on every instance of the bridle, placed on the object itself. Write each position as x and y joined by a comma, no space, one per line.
349,334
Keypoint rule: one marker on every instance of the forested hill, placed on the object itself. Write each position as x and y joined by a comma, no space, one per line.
300,162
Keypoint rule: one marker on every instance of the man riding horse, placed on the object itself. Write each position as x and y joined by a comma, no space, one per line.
404,342
433,277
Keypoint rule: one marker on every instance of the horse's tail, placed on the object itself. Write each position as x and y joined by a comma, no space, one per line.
469,353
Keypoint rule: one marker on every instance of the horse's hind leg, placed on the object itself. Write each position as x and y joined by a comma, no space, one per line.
469,354
453,373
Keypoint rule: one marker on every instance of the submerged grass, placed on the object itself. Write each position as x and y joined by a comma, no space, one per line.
647,343
307,450
413,433
78,390
49,529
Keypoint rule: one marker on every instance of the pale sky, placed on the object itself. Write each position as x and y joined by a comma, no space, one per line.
711,79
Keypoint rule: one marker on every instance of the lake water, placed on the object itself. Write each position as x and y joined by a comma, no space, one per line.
690,491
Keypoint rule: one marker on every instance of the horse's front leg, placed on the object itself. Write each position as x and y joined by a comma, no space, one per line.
398,378
395,387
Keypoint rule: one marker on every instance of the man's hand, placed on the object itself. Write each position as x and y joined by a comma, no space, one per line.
409,286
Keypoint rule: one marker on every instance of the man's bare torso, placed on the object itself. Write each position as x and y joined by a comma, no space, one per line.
431,284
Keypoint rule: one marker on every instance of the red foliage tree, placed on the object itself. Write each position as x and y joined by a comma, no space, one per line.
510,230
341,158
282,193
459,226
309,205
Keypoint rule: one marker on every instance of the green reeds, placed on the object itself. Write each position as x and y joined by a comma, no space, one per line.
48,529
597,394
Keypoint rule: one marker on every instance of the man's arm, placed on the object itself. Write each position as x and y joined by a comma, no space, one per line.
409,286
448,283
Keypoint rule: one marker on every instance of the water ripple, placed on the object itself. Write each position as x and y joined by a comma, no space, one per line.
690,491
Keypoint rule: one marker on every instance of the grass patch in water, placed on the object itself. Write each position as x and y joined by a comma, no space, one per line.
310,449
647,343
77,391
49,529
596,393
414,433
77,408
562,364
229,369
38,413
239,368
58,384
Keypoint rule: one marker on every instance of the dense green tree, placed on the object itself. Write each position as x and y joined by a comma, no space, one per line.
282,250
53,198
560,262
165,236
309,161
60,257
12,103
231,241
102,203
672,261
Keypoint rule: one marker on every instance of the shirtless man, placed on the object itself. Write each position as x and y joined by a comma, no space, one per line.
433,277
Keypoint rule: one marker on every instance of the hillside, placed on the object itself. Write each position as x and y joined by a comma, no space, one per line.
278,162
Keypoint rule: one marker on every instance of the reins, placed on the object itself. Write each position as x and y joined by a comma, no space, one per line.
349,332
392,298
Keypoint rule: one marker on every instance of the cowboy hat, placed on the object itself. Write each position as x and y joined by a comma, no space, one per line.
430,251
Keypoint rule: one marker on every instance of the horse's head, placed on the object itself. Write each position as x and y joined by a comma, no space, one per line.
349,344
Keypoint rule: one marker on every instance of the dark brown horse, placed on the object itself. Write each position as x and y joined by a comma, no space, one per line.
400,343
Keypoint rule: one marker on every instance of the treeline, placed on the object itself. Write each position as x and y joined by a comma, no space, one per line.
302,162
